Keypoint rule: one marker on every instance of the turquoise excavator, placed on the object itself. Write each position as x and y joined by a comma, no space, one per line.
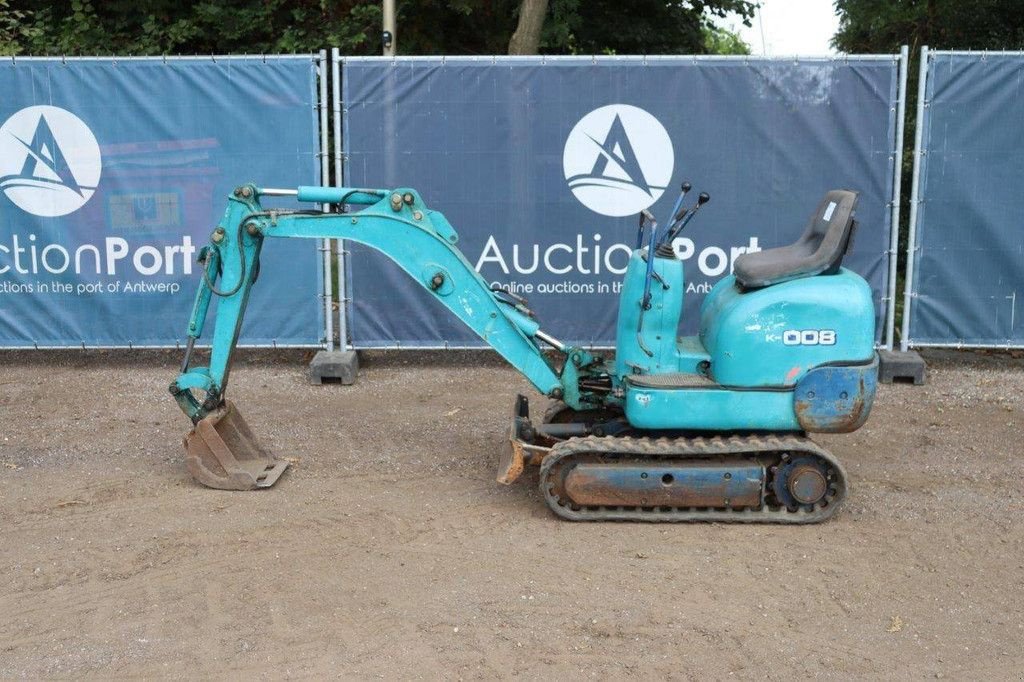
707,427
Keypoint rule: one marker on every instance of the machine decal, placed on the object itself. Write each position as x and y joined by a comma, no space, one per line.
809,337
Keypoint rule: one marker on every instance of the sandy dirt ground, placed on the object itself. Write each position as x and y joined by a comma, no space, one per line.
389,551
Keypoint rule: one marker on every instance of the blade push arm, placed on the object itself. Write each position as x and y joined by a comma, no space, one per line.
398,224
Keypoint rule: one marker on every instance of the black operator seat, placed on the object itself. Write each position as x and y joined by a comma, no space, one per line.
819,251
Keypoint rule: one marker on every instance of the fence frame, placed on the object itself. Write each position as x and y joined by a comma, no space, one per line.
341,252
889,337
325,170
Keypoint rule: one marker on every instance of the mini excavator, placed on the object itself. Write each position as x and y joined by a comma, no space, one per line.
711,427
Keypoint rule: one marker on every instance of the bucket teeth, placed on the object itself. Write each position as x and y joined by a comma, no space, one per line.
222,452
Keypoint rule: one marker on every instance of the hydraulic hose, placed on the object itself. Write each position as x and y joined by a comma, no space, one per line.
241,276
241,251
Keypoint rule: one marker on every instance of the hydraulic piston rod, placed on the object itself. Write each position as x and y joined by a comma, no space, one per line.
550,340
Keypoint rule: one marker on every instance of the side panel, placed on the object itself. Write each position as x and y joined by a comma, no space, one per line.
829,399
772,336
835,399
968,260
658,335
710,409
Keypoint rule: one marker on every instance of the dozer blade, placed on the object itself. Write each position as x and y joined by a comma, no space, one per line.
222,452
517,452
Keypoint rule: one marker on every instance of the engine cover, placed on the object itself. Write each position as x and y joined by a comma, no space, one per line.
773,336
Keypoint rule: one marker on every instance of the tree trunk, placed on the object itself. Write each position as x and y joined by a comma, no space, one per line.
526,39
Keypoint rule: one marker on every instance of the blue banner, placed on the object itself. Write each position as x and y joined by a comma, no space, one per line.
543,164
969,263
113,174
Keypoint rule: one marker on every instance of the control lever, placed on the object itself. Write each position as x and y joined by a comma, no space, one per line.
645,217
645,303
673,217
683,218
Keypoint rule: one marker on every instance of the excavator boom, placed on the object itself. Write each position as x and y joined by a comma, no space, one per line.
221,450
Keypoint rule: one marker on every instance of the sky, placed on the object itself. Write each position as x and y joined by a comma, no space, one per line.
789,27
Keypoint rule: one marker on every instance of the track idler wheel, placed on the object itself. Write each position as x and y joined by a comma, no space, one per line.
802,482
222,452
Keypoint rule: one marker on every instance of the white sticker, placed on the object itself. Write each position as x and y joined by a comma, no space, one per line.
827,215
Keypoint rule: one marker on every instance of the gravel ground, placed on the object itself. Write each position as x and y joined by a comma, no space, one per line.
388,550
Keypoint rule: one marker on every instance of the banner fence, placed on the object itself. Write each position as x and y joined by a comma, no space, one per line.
114,171
965,259
542,165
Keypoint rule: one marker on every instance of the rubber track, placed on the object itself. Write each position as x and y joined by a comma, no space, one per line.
632,449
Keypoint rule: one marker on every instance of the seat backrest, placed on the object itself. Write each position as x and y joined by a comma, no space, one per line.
830,229
819,250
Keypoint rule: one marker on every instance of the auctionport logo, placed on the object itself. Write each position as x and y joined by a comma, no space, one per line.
618,160
50,162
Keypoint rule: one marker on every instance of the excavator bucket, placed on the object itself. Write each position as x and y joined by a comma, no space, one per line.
222,452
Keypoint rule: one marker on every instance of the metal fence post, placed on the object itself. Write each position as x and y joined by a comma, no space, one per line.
915,189
339,181
325,170
897,188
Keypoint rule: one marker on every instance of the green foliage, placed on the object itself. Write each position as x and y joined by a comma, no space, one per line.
474,27
636,27
718,40
15,29
884,25
87,27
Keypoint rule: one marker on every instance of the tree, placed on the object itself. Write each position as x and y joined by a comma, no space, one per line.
90,27
638,26
881,26
526,39
94,27
14,32
718,40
